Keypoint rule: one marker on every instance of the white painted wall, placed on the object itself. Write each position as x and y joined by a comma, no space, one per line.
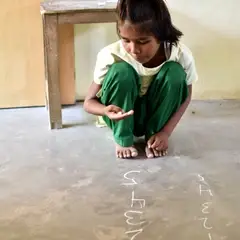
89,39
212,31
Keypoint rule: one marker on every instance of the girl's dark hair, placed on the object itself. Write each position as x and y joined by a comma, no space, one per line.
152,16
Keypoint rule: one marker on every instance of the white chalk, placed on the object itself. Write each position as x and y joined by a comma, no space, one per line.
101,3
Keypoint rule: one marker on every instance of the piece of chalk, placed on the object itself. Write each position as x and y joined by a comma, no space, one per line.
101,3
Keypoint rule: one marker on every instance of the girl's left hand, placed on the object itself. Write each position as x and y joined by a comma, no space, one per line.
159,141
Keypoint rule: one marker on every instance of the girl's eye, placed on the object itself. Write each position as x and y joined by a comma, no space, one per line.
126,41
137,42
143,42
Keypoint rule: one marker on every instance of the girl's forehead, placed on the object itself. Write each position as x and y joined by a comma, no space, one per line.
127,29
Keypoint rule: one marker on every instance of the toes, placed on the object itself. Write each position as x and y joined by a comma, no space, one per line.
149,153
134,153
128,153
120,154
160,153
164,153
156,153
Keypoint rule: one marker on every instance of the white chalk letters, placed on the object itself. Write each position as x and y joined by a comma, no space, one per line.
132,181
133,217
204,189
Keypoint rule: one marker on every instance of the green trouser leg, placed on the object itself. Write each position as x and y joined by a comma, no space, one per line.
121,88
165,95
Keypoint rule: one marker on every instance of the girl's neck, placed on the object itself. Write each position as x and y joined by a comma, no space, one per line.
158,59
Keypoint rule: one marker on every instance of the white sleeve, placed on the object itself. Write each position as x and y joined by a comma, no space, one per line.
188,63
103,62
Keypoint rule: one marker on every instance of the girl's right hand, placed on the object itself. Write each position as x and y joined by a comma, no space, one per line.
116,113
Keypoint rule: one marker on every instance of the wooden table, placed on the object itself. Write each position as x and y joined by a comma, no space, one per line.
55,12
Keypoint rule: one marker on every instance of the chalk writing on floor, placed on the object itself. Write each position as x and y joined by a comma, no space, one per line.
133,217
204,189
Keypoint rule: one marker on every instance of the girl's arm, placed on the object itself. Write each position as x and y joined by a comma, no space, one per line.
92,104
170,126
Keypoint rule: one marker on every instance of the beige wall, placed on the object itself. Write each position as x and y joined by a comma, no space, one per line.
215,45
22,80
21,54
212,30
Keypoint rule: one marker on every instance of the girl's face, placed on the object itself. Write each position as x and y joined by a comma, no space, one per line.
143,47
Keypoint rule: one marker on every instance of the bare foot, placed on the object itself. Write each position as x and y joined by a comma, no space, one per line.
151,153
126,152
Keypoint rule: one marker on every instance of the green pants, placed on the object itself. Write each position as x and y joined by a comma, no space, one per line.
121,87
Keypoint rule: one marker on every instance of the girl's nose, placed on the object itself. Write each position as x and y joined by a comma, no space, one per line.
134,49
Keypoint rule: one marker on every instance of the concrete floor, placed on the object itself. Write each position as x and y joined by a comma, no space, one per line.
67,184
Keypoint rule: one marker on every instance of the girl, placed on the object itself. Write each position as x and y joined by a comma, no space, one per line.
143,82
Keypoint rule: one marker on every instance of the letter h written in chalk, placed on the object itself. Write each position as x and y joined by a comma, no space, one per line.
201,189
140,202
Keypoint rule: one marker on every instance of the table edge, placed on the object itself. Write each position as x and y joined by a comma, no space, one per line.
44,11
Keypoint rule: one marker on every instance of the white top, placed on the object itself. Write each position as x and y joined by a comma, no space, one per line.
115,52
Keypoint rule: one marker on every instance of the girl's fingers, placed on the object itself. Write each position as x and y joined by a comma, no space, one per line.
158,145
150,142
120,115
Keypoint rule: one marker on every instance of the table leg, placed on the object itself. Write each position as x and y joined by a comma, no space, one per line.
51,58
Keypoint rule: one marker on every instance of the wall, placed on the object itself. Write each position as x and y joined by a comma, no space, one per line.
21,58
22,80
212,31
89,39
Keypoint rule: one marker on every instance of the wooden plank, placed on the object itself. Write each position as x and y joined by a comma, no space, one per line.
59,6
50,33
66,63
87,17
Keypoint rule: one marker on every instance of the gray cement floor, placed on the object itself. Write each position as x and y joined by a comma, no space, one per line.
67,184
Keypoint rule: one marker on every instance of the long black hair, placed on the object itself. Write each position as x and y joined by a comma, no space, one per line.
152,16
